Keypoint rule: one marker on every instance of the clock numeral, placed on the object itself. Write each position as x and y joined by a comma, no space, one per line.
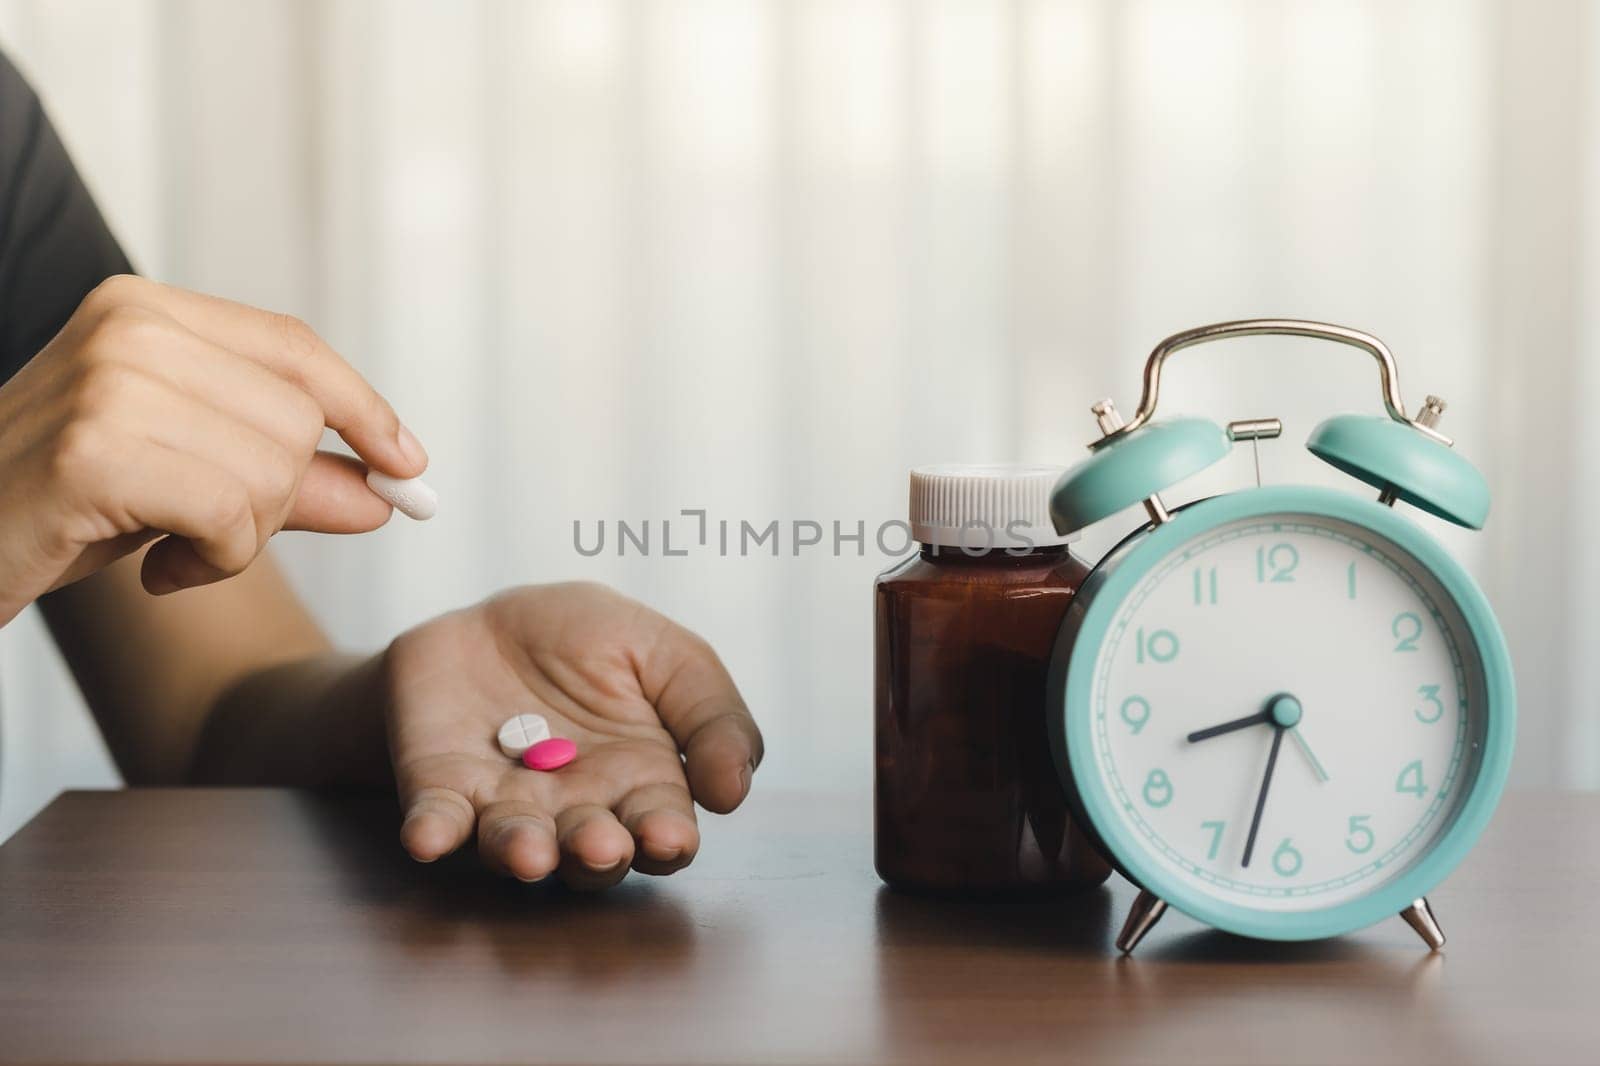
1406,627
1158,788
1216,836
1350,581
1277,563
1136,712
1205,586
1410,779
1286,860
1361,838
1431,694
1160,647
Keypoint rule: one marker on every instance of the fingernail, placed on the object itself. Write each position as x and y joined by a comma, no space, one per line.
745,773
412,447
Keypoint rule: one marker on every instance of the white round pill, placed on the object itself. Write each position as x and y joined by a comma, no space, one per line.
412,497
522,732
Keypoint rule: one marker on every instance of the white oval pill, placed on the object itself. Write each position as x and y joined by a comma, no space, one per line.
522,732
412,497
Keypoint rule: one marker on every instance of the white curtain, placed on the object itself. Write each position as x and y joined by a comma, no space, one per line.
617,260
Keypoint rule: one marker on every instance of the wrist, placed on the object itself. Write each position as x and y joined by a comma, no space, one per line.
310,723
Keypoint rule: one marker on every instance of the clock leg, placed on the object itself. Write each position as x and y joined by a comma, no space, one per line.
1419,916
1142,917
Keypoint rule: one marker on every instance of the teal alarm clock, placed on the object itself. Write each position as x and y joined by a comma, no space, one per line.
1286,711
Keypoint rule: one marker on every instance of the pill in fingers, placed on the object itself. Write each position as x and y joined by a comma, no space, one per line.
550,754
412,496
521,732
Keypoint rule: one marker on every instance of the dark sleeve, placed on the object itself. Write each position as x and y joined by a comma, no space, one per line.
54,246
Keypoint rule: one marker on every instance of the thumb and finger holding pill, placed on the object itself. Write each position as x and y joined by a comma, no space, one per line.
324,505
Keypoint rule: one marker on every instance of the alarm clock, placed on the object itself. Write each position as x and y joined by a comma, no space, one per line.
1286,711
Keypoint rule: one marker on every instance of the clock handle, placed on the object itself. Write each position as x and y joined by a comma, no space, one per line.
1257,327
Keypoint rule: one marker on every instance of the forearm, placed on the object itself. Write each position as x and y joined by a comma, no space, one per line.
311,723
157,671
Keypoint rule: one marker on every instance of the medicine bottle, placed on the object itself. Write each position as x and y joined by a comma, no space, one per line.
968,799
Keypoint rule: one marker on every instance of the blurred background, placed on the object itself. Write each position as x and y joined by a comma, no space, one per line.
616,260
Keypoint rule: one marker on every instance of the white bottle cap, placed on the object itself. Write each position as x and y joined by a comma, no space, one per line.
983,507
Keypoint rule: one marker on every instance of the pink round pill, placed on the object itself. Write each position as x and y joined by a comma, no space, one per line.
550,754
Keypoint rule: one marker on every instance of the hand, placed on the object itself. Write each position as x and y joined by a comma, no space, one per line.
1261,796
1261,716
657,720
159,411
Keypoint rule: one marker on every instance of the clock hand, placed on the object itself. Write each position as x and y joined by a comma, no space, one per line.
1305,749
1261,797
1228,727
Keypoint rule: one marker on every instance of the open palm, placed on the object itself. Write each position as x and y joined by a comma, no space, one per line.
657,720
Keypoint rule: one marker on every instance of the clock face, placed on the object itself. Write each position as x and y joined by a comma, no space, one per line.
1287,712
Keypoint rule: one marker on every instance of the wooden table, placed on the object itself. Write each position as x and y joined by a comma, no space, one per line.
224,926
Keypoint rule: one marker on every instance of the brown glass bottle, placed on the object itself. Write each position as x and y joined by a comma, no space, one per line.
968,797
